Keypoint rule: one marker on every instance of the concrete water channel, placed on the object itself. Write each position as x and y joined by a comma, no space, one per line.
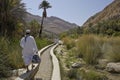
48,69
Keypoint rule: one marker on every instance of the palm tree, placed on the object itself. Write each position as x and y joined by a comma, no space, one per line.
11,12
44,5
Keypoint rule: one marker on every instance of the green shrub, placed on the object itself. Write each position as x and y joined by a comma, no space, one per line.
4,66
71,58
88,46
112,49
11,54
15,58
116,34
4,71
69,42
92,75
73,73
63,72
42,42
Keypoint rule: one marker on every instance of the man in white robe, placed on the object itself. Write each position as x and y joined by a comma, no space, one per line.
29,47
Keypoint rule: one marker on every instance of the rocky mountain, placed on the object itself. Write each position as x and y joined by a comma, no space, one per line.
112,11
52,24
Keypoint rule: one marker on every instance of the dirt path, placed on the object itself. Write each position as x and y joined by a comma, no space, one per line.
45,68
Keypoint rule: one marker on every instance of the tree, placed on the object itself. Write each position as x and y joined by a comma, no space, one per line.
34,26
43,5
11,12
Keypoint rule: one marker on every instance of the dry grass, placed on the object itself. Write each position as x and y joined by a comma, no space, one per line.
69,42
112,49
93,47
89,48
92,75
11,54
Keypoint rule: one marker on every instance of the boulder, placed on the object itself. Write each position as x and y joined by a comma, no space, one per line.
99,67
60,42
101,64
113,67
76,65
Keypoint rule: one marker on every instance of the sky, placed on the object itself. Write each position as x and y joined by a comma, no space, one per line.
73,11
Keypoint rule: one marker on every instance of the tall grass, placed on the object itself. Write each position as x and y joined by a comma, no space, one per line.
42,42
92,75
89,48
15,57
93,47
69,42
11,54
112,49
6,61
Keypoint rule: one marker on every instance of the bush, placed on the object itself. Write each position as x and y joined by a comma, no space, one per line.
69,42
4,71
92,75
73,74
11,54
88,46
91,48
4,61
15,58
42,42
112,51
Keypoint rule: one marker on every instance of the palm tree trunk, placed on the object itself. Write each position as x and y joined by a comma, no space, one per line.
41,27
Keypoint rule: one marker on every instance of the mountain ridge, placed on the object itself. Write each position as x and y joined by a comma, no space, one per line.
51,24
111,11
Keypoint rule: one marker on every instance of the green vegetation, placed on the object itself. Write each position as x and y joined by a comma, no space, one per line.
11,55
87,50
34,27
12,28
69,42
81,74
73,74
11,25
88,47
105,22
42,42
111,49
109,27
92,75
98,39
91,48
73,33
11,14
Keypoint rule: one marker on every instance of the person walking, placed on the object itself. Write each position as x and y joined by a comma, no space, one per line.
29,47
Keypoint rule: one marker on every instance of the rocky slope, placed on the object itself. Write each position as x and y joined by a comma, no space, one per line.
52,24
112,11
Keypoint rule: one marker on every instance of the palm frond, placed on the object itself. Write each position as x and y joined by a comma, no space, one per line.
45,4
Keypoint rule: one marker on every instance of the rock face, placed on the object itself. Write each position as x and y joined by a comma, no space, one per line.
112,11
113,67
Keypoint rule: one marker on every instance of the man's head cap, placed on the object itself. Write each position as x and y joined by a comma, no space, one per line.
28,31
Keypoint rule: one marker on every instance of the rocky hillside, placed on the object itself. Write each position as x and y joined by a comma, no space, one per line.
112,11
52,24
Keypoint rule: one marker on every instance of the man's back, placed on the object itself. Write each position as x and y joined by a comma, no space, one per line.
28,44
